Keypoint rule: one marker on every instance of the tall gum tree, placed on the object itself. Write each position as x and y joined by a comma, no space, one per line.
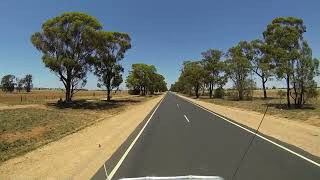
238,68
66,47
213,69
258,54
192,74
284,35
110,48
305,70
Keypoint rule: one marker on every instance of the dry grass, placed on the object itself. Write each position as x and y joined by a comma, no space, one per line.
44,96
309,114
25,129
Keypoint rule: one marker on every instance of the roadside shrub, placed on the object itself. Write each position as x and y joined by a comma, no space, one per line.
219,93
232,95
281,95
134,92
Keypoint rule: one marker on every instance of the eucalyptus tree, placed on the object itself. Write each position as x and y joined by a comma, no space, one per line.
65,42
259,56
305,70
109,49
193,74
144,78
284,36
8,83
238,68
213,69
28,85
19,83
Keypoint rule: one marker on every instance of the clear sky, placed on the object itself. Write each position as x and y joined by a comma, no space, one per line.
163,32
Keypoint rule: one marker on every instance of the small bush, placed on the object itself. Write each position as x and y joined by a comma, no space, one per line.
134,92
219,93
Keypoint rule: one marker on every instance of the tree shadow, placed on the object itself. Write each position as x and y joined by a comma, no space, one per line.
285,107
93,105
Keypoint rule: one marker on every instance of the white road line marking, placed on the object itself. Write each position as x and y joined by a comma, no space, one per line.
114,170
105,171
186,118
262,137
178,105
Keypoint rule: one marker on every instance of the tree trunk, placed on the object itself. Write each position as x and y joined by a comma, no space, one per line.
264,89
68,91
288,92
108,94
203,91
210,90
197,91
240,94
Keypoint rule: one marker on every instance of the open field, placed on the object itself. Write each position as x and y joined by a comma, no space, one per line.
309,114
44,96
24,129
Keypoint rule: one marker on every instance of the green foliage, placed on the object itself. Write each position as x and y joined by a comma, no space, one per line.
20,83
144,78
8,83
65,42
192,76
311,91
305,69
284,38
219,93
213,69
110,48
238,67
28,85
259,56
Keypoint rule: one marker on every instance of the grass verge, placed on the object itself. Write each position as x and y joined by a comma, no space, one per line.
310,114
22,130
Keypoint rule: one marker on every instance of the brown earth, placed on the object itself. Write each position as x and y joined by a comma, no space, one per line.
299,134
79,155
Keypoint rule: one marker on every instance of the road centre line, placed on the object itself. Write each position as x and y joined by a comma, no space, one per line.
114,170
262,137
186,118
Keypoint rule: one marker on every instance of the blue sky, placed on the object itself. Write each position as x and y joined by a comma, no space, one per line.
163,32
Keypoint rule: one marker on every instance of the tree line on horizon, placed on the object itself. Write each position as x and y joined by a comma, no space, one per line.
10,82
74,44
283,54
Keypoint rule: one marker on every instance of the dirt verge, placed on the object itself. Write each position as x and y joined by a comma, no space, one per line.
299,134
79,155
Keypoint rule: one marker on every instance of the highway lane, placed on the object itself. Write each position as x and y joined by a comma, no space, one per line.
183,139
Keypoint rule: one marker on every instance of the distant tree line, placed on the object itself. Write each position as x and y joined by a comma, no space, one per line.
144,79
283,53
10,82
74,43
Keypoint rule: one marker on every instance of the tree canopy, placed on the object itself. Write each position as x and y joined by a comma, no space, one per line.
65,42
213,69
238,67
110,48
8,83
284,36
143,78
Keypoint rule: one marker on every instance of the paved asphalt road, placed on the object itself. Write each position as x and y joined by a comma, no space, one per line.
183,139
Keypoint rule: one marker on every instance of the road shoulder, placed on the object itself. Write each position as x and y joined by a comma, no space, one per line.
78,156
301,135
